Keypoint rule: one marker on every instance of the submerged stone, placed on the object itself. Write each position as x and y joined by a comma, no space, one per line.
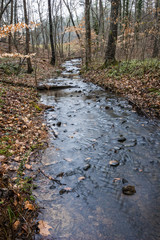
88,166
114,163
129,190
122,139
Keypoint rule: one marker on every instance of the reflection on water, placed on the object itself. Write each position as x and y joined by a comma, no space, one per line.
88,128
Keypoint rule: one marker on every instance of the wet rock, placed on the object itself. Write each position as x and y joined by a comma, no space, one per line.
124,121
114,163
107,107
121,139
52,187
129,190
124,181
152,161
60,174
55,134
62,191
59,124
88,166
132,144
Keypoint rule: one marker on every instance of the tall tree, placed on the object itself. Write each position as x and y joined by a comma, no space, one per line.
72,20
101,18
157,27
88,33
10,34
15,22
30,69
53,58
3,8
113,32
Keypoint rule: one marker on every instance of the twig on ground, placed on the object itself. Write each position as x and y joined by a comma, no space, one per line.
50,178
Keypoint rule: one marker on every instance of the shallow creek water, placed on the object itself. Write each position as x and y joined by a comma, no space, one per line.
88,128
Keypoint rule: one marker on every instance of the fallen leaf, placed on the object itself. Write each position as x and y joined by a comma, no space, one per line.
81,178
44,228
116,179
16,225
71,136
94,140
27,166
17,159
29,206
2,158
68,159
114,163
68,189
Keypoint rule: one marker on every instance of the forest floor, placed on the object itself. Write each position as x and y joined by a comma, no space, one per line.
138,81
22,133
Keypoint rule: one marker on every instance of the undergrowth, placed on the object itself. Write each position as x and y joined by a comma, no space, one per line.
134,68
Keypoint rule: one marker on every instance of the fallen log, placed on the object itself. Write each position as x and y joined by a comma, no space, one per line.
40,87
54,87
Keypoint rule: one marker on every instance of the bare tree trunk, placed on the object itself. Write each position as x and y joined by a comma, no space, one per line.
53,58
69,40
71,16
15,22
30,69
10,34
88,33
101,19
101,26
3,8
113,32
42,27
156,41
61,14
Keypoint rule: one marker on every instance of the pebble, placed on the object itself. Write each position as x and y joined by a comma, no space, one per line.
59,124
129,190
114,163
88,166
122,139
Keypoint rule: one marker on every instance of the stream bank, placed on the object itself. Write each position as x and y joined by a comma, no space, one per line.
88,128
137,81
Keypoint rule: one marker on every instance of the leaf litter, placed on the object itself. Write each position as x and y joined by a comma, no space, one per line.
22,132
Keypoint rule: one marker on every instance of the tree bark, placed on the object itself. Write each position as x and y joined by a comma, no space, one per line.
3,9
113,32
30,69
53,58
156,41
42,26
88,33
15,22
73,23
10,34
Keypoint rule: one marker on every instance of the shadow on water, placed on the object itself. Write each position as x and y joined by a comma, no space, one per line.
89,128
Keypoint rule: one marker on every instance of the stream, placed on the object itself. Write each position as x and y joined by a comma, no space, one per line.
88,128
